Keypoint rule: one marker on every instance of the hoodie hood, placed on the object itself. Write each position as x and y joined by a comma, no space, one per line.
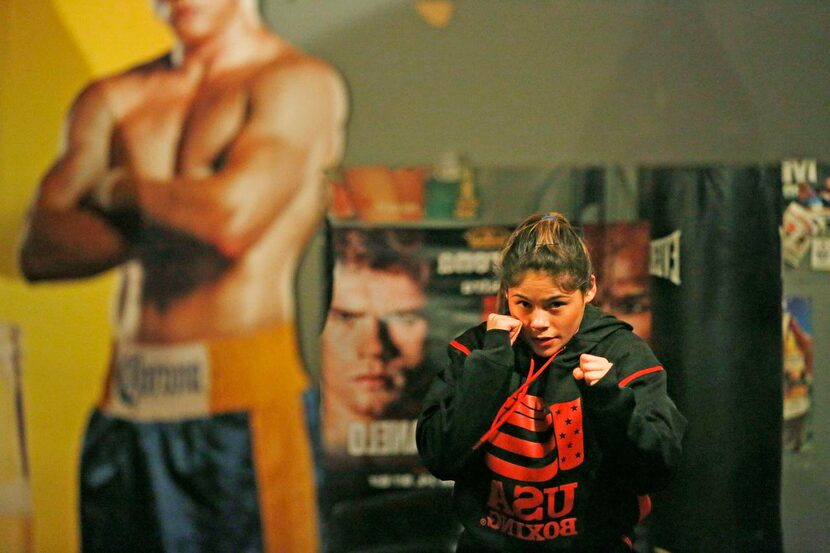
596,325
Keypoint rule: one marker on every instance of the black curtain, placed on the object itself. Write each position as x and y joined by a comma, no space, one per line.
718,332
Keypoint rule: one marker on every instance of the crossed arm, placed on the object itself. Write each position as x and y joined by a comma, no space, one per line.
63,237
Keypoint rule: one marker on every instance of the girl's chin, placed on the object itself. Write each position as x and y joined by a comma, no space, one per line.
544,349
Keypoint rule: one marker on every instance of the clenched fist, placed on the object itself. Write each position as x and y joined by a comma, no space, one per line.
591,368
504,322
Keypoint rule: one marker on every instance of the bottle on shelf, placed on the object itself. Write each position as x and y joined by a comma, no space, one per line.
442,188
466,207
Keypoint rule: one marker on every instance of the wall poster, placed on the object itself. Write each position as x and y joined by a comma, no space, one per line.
805,186
399,295
797,332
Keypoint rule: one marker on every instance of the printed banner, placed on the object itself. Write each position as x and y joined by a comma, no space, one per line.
805,188
399,295
797,330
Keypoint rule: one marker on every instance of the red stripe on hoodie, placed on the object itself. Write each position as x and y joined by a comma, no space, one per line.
518,472
627,380
460,347
525,448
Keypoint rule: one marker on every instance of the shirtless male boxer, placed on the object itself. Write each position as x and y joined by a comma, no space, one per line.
201,175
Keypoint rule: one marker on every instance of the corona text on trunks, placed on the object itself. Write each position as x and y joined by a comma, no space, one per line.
137,378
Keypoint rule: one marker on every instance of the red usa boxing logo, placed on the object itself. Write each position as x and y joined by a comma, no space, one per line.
536,442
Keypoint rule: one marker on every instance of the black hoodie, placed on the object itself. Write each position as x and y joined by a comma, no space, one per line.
571,468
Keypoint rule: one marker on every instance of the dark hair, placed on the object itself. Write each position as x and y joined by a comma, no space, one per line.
382,249
547,243
389,250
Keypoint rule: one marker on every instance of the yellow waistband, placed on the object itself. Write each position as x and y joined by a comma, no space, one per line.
172,382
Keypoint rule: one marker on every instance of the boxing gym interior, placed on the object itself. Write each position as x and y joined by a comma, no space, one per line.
687,141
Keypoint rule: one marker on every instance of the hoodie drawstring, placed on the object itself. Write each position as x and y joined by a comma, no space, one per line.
517,396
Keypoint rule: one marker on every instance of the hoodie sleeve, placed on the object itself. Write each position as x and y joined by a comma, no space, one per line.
638,425
462,402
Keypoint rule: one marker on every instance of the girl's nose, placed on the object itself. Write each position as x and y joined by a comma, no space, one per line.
539,319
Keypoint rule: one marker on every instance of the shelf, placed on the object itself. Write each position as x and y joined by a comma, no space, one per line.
420,223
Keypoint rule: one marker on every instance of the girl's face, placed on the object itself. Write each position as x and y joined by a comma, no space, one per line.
550,316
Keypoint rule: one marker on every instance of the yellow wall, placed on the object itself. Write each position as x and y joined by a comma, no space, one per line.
49,50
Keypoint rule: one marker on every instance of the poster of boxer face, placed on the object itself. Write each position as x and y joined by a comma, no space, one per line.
398,295
620,252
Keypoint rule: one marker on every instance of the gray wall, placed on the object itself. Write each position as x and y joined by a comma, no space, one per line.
540,82
545,83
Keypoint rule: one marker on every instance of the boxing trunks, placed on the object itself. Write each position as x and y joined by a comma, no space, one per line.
201,447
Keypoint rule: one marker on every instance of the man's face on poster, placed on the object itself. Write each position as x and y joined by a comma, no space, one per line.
195,20
374,335
624,292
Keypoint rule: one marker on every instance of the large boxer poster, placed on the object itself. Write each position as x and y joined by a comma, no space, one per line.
194,173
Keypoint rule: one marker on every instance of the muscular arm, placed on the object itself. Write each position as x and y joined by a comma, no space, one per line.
294,131
63,237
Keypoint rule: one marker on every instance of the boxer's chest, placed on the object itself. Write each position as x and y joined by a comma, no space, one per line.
181,128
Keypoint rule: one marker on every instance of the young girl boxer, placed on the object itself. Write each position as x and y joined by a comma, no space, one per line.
551,417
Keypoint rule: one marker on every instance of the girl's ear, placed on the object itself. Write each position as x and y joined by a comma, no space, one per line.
592,291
